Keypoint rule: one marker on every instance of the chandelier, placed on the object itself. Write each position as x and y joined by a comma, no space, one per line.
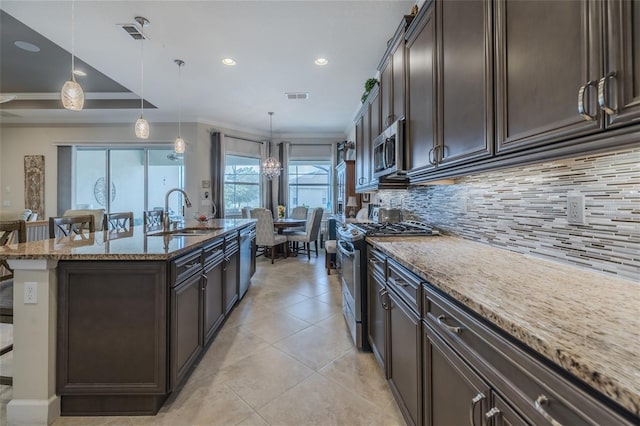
271,167
72,95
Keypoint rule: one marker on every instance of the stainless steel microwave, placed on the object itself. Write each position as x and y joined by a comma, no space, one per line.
388,151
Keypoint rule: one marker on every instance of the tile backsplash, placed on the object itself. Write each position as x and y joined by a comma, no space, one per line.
524,209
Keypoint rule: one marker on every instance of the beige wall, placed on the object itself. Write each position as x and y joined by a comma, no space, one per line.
17,141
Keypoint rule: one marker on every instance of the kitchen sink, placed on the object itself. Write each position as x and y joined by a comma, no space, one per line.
186,232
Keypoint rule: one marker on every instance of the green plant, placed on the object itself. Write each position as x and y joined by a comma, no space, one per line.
368,87
370,84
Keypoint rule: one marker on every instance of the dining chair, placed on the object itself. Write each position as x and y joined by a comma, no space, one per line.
11,231
98,216
118,225
298,212
152,220
265,233
246,212
64,226
311,233
118,221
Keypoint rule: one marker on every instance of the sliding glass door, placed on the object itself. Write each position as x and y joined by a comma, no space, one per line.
122,179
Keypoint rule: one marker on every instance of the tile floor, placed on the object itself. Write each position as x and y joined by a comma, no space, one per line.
283,357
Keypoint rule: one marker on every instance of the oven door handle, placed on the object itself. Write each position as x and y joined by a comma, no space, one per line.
348,253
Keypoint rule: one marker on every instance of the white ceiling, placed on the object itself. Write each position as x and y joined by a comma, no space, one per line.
274,43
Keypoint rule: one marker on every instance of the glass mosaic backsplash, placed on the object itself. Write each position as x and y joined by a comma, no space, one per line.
524,209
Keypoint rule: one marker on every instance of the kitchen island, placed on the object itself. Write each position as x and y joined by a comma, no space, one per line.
119,319
582,323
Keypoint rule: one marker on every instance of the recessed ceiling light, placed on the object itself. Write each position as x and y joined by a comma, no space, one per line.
25,45
321,61
80,73
228,61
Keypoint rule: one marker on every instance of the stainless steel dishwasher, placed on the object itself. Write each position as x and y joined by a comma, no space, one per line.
247,257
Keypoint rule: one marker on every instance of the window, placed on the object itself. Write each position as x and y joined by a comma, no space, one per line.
310,184
121,179
241,183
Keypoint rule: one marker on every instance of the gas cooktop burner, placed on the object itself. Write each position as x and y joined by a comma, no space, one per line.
406,228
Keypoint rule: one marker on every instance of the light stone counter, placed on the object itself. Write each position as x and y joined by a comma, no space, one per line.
105,246
586,322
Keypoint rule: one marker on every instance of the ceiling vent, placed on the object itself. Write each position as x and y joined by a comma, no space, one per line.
134,31
297,95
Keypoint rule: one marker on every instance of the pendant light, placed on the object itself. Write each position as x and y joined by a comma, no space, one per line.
271,166
179,144
142,126
71,94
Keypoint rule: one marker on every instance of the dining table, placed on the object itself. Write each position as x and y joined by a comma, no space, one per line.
281,224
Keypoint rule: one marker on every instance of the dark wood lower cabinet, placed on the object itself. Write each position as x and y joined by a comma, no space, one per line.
111,351
453,393
404,358
378,318
186,326
231,274
213,298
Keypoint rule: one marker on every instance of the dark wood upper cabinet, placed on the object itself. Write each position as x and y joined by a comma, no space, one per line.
621,84
544,55
392,81
464,81
420,63
367,128
386,92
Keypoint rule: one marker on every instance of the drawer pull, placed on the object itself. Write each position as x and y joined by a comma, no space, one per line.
374,261
448,327
539,404
401,283
479,397
491,413
191,265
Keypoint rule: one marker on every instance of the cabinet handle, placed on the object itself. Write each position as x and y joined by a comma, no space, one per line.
448,327
602,88
431,158
436,150
491,413
540,402
479,397
581,109
205,281
191,265
374,261
361,181
381,293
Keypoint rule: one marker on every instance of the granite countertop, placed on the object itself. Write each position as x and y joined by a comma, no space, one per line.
106,246
586,322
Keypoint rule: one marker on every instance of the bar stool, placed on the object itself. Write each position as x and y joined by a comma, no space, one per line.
329,256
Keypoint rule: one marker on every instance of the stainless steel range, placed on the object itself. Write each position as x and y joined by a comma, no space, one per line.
351,259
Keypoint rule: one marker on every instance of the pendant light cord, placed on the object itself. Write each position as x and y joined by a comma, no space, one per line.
179,100
142,68
73,40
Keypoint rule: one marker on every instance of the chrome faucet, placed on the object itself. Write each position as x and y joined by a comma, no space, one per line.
166,224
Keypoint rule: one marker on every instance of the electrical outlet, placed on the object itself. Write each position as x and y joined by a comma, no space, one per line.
575,209
30,293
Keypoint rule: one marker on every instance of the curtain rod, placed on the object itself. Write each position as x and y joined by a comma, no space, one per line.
243,139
